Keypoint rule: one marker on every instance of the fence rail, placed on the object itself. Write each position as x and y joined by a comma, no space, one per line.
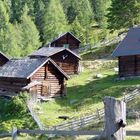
30,105
64,132
88,120
103,43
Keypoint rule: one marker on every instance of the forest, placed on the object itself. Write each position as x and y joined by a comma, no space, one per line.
25,25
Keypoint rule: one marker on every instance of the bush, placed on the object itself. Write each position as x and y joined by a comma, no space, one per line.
14,105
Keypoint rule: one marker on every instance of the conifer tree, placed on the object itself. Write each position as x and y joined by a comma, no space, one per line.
39,11
84,16
29,33
100,10
8,41
55,22
123,14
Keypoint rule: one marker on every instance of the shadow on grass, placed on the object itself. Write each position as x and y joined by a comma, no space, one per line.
94,91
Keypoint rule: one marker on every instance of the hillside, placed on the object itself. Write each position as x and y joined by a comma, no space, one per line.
85,91
84,95
98,53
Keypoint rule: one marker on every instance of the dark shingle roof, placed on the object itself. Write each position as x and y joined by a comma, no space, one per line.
130,44
25,68
64,35
49,51
1,53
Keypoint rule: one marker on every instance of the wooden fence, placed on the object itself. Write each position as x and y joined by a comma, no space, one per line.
103,43
16,132
80,123
89,120
30,105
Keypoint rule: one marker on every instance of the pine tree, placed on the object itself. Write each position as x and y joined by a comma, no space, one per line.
123,14
29,34
55,22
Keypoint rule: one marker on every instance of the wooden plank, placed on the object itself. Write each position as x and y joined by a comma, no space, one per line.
59,132
3,135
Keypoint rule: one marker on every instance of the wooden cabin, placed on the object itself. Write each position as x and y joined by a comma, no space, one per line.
65,58
67,40
128,53
39,76
3,59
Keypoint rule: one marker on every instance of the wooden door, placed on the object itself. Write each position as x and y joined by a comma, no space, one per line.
33,92
138,65
45,88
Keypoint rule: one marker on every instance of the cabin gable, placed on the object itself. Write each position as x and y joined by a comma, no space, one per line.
51,81
67,41
67,61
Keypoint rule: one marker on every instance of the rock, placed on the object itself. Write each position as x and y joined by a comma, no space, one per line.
99,76
64,117
116,69
73,101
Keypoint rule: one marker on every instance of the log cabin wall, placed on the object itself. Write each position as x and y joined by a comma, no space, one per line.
39,76
51,80
67,39
68,62
12,84
129,66
55,80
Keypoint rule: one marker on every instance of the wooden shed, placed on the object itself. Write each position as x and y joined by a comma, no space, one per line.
3,59
65,58
41,76
128,53
67,40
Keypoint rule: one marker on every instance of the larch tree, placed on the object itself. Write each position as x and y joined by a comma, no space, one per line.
123,14
8,41
29,33
55,22
83,15
39,11
100,10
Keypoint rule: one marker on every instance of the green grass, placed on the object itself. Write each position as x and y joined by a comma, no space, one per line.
86,92
14,113
99,52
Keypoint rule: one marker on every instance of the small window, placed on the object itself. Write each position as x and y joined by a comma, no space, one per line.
66,46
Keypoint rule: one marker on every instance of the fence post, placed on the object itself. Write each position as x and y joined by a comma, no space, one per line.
115,119
98,114
14,133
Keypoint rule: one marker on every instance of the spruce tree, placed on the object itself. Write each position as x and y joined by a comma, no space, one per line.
123,14
55,22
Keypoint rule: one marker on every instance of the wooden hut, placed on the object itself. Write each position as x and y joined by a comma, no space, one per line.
67,40
65,58
3,59
41,76
128,53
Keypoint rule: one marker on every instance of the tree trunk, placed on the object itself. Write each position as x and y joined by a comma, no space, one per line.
115,119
